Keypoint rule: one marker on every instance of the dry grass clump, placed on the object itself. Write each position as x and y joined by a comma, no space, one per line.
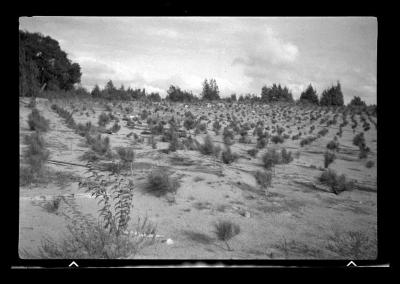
37,122
337,183
160,183
226,230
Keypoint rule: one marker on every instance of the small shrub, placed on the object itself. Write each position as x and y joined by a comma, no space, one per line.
160,183
37,122
36,153
127,155
364,150
359,140
252,152
264,178
226,230
286,156
115,128
52,205
208,147
335,182
229,157
329,157
323,132
104,119
270,159
370,164
99,144
261,143
277,139
333,145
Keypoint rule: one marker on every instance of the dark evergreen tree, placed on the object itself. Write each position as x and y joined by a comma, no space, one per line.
332,96
309,96
356,101
210,90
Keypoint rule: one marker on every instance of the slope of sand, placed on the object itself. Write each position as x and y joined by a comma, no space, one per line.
292,219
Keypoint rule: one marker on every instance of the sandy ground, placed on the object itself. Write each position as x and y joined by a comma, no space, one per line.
290,211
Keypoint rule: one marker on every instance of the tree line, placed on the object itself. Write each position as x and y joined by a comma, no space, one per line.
43,66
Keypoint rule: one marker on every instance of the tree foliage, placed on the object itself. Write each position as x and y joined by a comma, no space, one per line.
356,101
175,94
210,90
43,63
276,94
332,96
309,96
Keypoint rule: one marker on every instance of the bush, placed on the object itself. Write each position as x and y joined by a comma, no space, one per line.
329,157
286,156
264,178
104,119
115,128
127,155
277,139
252,152
323,132
93,241
364,150
229,157
36,153
359,140
261,143
37,122
160,183
307,140
226,230
333,145
370,164
83,129
208,147
270,159
216,127
99,144
335,182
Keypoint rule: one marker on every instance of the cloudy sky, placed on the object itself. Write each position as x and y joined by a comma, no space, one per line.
242,54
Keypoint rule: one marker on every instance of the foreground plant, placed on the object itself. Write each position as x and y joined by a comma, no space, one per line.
226,230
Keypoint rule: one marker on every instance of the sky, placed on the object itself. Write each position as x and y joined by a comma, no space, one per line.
242,53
